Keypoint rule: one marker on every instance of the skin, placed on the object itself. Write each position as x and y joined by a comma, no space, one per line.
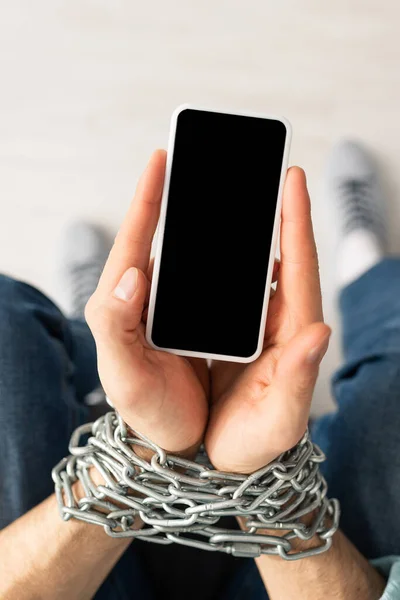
166,396
246,414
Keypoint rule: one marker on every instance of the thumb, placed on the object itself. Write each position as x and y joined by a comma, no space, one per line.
295,377
115,321
114,318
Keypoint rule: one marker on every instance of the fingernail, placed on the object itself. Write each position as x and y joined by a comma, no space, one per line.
127,286
317,353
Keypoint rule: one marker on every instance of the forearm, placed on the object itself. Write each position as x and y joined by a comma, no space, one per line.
342,573
44,558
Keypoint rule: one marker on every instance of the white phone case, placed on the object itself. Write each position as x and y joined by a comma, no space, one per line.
160,236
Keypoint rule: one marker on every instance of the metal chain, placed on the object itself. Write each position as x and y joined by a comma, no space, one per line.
181,501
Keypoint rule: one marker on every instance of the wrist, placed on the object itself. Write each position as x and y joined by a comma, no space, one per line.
298,543
341,573
79,493
143,479
189,453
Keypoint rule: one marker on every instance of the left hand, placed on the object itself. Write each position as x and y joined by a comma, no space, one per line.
260,410
162,395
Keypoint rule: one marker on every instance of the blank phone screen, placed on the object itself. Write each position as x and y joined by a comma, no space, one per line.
219,222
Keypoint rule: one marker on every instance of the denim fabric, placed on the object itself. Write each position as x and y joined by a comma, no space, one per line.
362,438
48,365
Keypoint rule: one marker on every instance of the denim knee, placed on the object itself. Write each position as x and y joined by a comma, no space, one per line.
363,436
16,323
24,312
31,333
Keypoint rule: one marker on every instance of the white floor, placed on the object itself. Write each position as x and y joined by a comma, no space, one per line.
87,87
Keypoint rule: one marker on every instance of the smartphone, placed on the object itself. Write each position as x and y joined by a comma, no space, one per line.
217,233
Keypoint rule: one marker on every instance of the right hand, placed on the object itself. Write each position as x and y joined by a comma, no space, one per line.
262,409
162,395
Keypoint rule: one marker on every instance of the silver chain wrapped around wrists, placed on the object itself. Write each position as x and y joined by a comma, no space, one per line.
181,501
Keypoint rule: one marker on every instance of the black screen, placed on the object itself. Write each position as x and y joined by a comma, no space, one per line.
219,223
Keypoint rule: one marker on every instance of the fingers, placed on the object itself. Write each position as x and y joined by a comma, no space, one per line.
150,269
114,318
299,277
275,272
133,242
114,312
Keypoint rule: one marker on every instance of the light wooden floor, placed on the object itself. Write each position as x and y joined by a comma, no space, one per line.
87,87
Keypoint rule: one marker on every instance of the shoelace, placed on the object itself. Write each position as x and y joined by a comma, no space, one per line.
360,210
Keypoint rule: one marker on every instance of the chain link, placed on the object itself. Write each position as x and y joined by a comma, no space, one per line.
181,501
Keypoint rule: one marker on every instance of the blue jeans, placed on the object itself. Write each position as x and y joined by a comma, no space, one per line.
48,366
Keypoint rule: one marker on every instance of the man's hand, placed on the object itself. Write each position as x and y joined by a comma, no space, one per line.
262,409
162,395
257,411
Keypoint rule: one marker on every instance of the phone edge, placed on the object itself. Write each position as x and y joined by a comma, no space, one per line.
161,228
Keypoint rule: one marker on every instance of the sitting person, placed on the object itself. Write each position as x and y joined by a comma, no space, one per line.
246,414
